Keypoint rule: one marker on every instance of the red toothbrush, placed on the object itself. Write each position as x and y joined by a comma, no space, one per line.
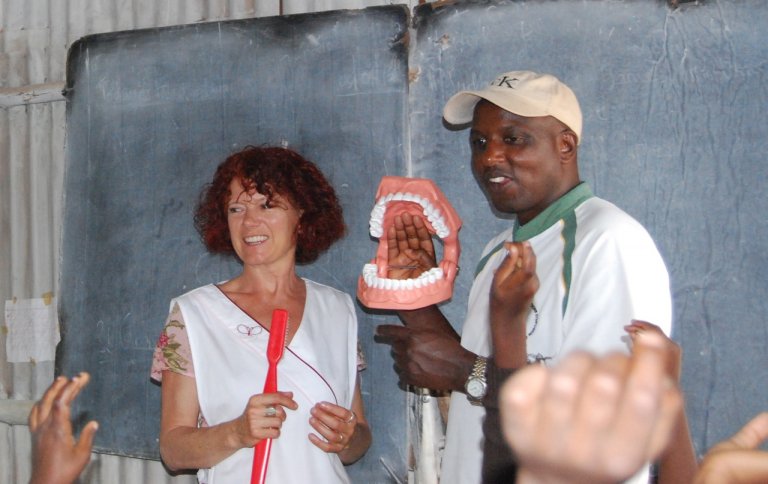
275,348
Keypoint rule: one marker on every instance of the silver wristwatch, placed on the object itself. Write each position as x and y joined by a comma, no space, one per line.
476,385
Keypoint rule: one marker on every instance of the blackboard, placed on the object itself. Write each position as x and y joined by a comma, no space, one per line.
674,133
150,114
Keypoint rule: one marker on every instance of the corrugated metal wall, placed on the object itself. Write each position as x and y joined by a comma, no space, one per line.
34,38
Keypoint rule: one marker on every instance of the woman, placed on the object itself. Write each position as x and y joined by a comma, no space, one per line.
272,209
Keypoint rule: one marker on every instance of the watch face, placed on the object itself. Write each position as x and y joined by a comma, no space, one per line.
475,388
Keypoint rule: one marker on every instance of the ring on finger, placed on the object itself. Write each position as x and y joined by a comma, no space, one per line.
341,437
270,411
351,417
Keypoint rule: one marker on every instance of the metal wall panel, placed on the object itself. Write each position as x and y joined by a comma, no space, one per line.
34,38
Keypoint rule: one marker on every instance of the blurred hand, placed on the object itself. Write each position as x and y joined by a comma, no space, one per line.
590,420
738,459
56,456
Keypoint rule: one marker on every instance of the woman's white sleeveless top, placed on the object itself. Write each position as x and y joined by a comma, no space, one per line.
229,356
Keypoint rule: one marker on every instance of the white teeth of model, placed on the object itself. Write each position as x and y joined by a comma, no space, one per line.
376,228
433,214
376,231
441,228
428,208
434,274
425,278
376,221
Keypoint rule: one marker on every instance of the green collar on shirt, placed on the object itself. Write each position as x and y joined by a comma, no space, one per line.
552,214
562,208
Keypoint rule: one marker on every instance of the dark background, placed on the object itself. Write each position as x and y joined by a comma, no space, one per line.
674,133
150,115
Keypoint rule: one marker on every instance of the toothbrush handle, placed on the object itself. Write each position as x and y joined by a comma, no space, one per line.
261,452
270,384
260,460
263,448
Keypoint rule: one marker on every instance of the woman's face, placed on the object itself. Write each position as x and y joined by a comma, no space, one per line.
263,233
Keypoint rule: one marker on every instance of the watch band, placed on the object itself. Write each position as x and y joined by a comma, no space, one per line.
477,377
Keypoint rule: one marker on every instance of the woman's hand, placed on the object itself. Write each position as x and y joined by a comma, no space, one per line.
263,417
336,425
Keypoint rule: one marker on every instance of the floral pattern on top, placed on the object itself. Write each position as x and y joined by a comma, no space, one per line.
172,351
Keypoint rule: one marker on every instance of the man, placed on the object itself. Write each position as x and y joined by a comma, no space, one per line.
596,268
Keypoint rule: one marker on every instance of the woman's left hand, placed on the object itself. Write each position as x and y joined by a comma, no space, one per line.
336,425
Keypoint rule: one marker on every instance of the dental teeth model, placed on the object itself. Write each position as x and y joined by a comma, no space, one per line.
418,197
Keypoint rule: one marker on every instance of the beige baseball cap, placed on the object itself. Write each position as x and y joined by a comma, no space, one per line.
524,93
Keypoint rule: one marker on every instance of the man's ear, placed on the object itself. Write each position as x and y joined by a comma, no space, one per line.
567,144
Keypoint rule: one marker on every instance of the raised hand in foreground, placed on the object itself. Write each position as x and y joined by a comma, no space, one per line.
589,419
738,459
57,458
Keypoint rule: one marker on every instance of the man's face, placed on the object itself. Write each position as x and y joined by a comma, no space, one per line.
516,160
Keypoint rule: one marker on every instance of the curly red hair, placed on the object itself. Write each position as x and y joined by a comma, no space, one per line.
273,171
